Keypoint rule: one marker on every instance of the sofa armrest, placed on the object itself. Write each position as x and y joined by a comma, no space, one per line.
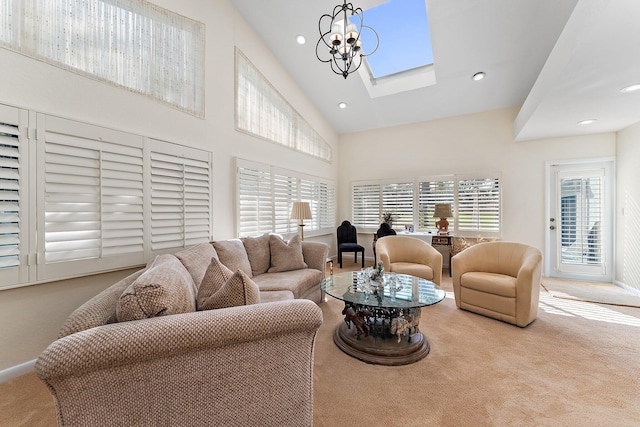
189,369
315,255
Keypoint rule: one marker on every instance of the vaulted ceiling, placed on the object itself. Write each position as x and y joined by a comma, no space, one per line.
561,61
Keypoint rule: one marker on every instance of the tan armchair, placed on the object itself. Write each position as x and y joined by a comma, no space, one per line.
408,255
499,280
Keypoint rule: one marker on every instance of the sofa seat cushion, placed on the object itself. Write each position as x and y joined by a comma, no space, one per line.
233,254
286,256
222,288
273,296
492,283
196,259
418,270
258,252
296,281
165,288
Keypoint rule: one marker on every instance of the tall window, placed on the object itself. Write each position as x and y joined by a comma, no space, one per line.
475,202
263,112
266,194
130,43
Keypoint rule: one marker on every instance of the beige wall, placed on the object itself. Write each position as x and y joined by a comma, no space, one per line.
31,316
627,266
467,144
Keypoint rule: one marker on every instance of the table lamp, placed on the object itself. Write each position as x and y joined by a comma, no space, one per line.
301,211
443,211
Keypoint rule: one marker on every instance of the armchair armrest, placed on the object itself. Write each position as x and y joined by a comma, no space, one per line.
189,369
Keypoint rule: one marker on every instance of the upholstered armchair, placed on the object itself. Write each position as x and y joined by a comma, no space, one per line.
348,242
408,255
500,280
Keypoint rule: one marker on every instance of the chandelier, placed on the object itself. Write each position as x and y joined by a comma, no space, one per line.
340,44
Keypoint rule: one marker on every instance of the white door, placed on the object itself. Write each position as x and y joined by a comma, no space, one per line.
580,221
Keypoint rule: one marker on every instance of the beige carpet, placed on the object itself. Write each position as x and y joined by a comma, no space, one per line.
602,293
578,364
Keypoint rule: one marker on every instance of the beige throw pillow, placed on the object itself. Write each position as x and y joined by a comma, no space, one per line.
222,288
196,260
163,289
233,254
258,252
286,256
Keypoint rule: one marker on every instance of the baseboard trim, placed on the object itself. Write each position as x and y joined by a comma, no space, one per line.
18,370
627,288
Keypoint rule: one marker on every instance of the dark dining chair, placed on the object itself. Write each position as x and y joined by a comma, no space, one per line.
348,242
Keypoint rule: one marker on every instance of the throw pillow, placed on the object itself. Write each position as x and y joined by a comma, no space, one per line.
220,288
233,254
196,260
163,289
286,256
258,252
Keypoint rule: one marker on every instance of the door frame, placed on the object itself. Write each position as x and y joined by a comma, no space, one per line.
549,181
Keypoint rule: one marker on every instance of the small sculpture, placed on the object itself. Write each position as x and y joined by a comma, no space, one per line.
358,320
406,324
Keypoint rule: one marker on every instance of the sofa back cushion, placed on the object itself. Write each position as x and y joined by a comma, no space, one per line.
286,256
233,254
163,289
221,288
196,259
258,252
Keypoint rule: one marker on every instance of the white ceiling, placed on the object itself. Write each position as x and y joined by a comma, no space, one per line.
562,61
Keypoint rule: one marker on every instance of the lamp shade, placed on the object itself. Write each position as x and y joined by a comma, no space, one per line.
443,210
301,210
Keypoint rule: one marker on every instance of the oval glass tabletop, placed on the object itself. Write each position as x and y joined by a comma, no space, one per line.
398,291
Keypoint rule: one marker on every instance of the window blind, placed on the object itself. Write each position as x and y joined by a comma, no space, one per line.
180,196
262,111
132,44
13,214
285,192
366,203
397,198
255,201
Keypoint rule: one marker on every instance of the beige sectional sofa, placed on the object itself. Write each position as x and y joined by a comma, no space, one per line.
143,353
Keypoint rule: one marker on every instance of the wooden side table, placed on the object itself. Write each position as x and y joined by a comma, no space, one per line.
444,240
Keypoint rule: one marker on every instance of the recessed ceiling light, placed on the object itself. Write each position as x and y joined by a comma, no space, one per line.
587,122
630,88
301,39
342,105
478,76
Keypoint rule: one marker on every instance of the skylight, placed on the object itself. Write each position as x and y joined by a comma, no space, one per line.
405,40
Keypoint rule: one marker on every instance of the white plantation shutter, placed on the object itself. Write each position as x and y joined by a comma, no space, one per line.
397,198
310,192
366,205
285,192
255,201
90,198
13,226
265,195
479,205
432,193
180,196
327,206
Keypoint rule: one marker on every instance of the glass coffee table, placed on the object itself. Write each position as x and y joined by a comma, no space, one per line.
381,323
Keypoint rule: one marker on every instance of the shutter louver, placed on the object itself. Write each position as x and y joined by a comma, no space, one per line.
432,193
284,194
92,193
180,196
327,209
255,206
366,205
309,192
397,198
479,205
10,189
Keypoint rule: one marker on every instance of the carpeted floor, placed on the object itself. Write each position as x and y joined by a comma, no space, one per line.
601,293
578,364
